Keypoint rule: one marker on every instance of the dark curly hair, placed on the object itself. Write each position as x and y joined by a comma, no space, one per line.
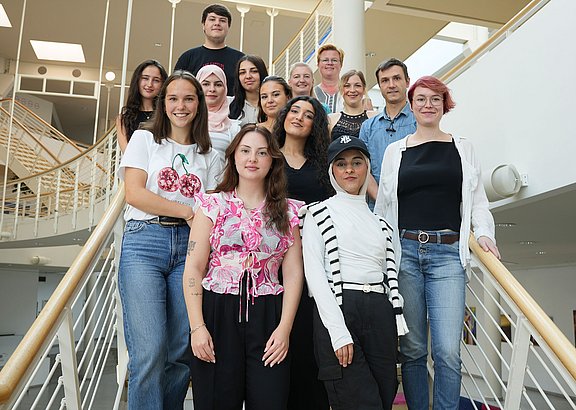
159,125
316,147
276,207
134,101
237,105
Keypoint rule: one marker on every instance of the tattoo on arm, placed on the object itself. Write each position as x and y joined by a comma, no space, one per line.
191,246
192,284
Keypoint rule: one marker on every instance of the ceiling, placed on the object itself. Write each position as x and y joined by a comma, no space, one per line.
394,28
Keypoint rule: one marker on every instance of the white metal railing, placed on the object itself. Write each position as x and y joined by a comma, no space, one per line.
317,30
75,337
34,142
513,355
78,185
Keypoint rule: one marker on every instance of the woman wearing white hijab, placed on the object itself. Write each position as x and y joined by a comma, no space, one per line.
221,128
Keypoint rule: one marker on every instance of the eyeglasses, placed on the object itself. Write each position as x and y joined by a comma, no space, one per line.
435,100
330,60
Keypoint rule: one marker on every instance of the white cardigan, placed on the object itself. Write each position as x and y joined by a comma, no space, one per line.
474,209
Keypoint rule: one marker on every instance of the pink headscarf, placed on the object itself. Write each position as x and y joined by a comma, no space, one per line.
218,120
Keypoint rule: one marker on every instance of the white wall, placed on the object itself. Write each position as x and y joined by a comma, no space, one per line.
519,101
18,293
554,289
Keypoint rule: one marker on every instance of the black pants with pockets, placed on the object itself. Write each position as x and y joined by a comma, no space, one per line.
370,382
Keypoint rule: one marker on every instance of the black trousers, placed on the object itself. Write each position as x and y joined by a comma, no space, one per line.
306,391
370,382
239,373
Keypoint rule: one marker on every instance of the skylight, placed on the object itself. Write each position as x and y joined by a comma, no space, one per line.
4,20
48,50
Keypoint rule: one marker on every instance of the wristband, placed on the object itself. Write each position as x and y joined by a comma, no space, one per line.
196,328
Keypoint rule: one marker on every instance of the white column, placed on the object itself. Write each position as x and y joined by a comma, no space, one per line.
174,3
348,30
243,9
272,13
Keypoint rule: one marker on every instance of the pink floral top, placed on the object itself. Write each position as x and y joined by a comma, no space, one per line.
240,242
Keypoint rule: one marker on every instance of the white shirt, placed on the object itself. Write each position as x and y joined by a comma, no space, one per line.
221,140
168,159
361,252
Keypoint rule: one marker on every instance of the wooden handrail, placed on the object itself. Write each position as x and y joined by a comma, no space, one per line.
64,137
494,38
297,37
29,347
68,162
553,336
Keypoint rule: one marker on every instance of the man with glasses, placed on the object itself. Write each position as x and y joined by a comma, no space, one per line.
394,122
330,59
216,21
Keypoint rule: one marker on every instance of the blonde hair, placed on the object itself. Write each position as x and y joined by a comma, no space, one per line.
330,47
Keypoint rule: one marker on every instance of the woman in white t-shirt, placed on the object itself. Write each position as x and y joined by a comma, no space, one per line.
221,128
163,169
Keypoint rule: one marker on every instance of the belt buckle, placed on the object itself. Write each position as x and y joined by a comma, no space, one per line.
366,288
423,237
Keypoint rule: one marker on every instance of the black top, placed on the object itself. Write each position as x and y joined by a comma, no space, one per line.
430,187
304,184
226,58
142,117
348,125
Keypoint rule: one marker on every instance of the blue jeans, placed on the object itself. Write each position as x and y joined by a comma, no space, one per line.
433,283
155,317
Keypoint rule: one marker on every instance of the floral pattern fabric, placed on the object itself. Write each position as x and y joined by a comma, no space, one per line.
241,243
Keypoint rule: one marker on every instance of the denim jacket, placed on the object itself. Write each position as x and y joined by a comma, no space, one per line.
474,209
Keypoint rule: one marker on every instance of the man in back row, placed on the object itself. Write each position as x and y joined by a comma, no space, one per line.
394,122
216,21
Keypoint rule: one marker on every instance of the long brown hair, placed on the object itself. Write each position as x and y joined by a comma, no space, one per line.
275,208
160,126
132,108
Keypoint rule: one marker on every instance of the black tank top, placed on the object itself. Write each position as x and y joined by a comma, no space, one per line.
348,125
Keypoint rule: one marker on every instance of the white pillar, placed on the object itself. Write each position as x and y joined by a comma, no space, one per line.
348,30
272,13
174,3
243,9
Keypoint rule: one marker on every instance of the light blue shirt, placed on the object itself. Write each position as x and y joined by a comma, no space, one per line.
376,137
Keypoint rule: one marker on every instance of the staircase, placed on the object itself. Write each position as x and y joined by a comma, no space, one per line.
69,196
35,146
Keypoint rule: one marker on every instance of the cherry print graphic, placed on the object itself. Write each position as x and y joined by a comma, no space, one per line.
189,183
168,179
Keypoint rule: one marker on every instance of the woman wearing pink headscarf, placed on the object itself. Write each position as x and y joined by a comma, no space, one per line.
221,128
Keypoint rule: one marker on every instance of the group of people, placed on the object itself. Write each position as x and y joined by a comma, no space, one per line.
283,240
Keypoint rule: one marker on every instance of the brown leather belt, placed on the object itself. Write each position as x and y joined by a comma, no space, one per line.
168,221
432,237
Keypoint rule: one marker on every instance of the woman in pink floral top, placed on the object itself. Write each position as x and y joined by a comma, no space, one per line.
240,315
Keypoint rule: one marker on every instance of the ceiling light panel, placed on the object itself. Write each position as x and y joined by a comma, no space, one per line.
48,50
4,20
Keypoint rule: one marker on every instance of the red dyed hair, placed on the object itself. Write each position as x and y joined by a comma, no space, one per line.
434,84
